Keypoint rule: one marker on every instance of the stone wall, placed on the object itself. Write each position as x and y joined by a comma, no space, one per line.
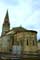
28,41
5,43
27,46
31,37
39,46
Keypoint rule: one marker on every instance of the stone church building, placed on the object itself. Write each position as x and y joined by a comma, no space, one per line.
18,40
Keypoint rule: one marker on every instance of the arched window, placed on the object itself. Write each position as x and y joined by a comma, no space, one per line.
27,42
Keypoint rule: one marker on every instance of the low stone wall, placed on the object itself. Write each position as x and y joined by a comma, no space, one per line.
8,56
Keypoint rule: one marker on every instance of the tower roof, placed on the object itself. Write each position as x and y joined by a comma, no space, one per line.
6,24
7,14
6,19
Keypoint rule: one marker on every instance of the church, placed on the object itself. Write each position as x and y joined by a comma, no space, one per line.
17,41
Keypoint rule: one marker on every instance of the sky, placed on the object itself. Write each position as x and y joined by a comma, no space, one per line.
25,13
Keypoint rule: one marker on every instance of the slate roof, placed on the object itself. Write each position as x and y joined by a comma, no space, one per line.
21,29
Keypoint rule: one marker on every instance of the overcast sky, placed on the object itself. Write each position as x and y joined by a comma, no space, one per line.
25,13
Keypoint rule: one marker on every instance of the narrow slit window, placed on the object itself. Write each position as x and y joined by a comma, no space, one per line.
33,42
27,42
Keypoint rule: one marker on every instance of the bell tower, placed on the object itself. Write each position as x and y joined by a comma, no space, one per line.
6,24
